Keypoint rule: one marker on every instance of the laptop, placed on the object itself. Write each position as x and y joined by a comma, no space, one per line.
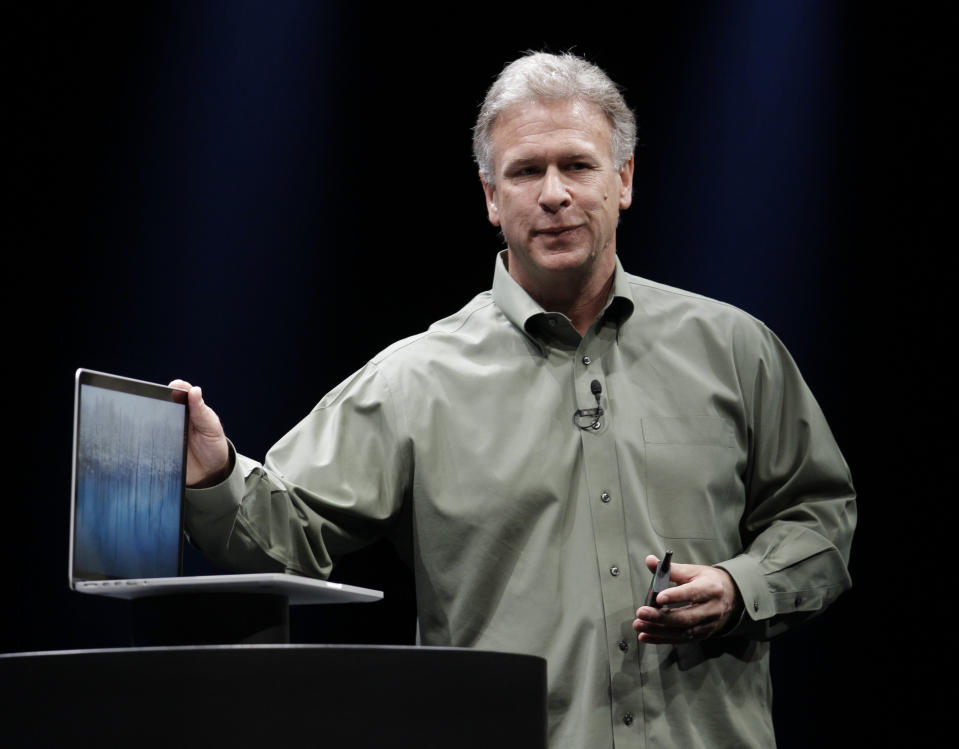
126,510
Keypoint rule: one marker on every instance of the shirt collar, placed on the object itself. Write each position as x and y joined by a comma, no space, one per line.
527,315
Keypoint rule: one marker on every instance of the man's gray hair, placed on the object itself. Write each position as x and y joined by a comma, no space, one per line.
541,75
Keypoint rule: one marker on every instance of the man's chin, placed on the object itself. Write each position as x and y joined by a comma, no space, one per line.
562,259
559,260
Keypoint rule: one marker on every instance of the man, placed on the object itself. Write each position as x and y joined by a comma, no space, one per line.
534,452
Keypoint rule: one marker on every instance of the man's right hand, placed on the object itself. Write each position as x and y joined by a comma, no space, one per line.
208,455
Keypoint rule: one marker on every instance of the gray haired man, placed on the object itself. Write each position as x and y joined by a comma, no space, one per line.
642,417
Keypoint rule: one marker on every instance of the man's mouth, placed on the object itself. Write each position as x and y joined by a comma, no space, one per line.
556,231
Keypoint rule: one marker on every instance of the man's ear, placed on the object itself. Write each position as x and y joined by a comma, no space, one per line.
626,185
491,210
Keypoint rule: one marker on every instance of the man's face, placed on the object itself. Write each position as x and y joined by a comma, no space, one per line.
557,195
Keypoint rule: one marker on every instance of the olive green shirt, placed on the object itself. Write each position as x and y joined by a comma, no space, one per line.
527,533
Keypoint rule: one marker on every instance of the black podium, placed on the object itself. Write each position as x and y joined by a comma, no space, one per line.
265,696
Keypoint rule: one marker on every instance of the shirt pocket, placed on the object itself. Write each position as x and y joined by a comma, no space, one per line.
691,474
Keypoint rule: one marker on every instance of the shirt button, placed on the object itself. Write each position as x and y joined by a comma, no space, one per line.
605,497
614,571
756,605
628,719
587,361
798,600
623,645
552,322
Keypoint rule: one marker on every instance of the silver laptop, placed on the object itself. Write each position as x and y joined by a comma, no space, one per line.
126,511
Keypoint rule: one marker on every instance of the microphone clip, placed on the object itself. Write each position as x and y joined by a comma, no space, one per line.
593,415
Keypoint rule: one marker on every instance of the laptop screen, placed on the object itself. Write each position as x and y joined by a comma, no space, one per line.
129,462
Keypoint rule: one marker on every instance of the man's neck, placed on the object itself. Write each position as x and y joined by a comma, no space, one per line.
579,296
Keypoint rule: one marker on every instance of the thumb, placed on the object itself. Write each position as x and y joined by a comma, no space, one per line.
678,573
683,573
203,418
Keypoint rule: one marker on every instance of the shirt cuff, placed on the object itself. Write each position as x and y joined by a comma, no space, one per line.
758,602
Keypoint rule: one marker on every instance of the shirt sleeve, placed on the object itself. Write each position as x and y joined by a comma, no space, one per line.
800,503
336,482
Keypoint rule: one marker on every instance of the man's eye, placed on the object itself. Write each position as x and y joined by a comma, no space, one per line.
578,166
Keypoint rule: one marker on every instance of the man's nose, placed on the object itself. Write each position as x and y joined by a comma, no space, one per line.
555,192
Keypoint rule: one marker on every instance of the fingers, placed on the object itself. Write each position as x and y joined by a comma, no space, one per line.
695,609
661,620
207,450
675,625
673,635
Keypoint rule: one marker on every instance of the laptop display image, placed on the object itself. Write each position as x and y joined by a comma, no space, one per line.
129,480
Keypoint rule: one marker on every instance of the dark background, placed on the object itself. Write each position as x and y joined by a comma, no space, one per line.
259,196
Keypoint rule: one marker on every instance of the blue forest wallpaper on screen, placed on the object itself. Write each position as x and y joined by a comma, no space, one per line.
129,485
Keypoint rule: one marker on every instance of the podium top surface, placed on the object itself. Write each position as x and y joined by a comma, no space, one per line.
286,649
359,696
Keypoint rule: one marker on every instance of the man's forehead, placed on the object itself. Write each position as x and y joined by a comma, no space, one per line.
575,123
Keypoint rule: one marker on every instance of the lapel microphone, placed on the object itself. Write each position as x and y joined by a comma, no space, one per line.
593,414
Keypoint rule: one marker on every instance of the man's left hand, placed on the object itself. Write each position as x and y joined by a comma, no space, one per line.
708,597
